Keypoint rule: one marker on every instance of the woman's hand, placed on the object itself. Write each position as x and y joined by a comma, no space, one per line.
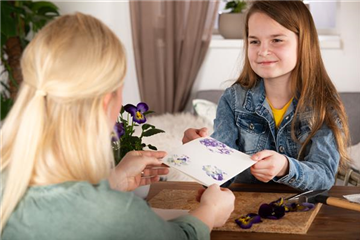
192,133
270,164
137,168
216,205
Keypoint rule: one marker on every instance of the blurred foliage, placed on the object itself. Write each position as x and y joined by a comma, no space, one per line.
236,6
19,19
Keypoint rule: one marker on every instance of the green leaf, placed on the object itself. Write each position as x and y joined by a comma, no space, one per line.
6,87
147,126
6,104
151,132
3,41
8,24
134,139
148,112
236,6
152,147
49,12
122,110
37,6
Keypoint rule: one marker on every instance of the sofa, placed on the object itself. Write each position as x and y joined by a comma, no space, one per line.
203,111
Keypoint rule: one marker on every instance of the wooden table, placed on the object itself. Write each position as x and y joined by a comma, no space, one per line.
330,223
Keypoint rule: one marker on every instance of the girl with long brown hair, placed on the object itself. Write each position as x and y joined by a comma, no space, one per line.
283,109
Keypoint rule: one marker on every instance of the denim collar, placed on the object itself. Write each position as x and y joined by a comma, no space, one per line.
255,99
255,102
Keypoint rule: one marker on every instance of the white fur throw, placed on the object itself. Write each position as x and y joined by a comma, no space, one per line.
174,126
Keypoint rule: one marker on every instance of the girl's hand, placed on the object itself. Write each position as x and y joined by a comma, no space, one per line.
270,164
137,168
192,133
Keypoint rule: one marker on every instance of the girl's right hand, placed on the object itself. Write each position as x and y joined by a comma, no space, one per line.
216,205
192,133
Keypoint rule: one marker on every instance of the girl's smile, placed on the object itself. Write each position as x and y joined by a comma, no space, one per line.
267,63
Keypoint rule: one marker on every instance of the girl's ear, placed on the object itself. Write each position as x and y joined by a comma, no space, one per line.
106,101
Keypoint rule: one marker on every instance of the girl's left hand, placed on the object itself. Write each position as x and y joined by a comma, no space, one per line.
270,164
137,168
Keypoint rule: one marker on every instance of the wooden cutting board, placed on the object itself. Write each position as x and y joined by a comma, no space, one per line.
246,202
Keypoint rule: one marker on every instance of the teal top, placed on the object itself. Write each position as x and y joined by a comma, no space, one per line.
80,210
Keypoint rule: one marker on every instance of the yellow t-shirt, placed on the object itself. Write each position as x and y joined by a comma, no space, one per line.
279,113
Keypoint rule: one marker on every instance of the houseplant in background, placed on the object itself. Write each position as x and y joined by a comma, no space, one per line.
20,20
125,139
232,20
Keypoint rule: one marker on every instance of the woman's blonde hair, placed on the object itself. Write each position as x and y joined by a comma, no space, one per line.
310,82
58,129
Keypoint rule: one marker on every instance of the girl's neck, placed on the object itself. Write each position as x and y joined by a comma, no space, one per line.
278,91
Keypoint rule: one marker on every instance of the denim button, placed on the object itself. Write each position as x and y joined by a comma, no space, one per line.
251,126
281,149
291,180
287,117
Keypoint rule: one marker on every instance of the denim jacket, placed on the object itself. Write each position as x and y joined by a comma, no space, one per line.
244,121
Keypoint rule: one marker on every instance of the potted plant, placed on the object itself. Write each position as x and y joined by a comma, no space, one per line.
19,20
125,139
232,20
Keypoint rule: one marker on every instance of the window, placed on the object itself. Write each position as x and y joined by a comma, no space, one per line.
324,15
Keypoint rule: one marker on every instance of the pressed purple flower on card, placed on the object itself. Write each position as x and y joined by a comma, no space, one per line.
214,172
178,160
216,146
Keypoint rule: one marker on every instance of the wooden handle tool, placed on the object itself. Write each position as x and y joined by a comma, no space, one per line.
337,202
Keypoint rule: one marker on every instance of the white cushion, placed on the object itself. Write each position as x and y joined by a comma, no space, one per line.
205,109
354,153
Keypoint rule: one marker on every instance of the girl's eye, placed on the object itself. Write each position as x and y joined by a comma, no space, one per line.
277,40
254,42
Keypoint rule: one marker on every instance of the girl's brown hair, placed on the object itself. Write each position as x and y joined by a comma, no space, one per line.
310,81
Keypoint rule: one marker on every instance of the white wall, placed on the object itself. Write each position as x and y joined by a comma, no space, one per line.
223,58
117,16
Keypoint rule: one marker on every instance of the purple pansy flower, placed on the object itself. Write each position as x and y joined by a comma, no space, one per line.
274,210
299,207
248,220
137,112
119,129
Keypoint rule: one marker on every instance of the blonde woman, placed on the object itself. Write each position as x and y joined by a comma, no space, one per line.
57,162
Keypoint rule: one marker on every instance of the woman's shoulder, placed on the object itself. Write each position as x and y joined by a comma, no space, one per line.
84,209
83,194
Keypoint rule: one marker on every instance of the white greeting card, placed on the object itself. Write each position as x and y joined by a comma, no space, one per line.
208,161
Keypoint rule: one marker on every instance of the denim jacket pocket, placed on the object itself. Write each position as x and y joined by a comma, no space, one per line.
302,131
253,132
